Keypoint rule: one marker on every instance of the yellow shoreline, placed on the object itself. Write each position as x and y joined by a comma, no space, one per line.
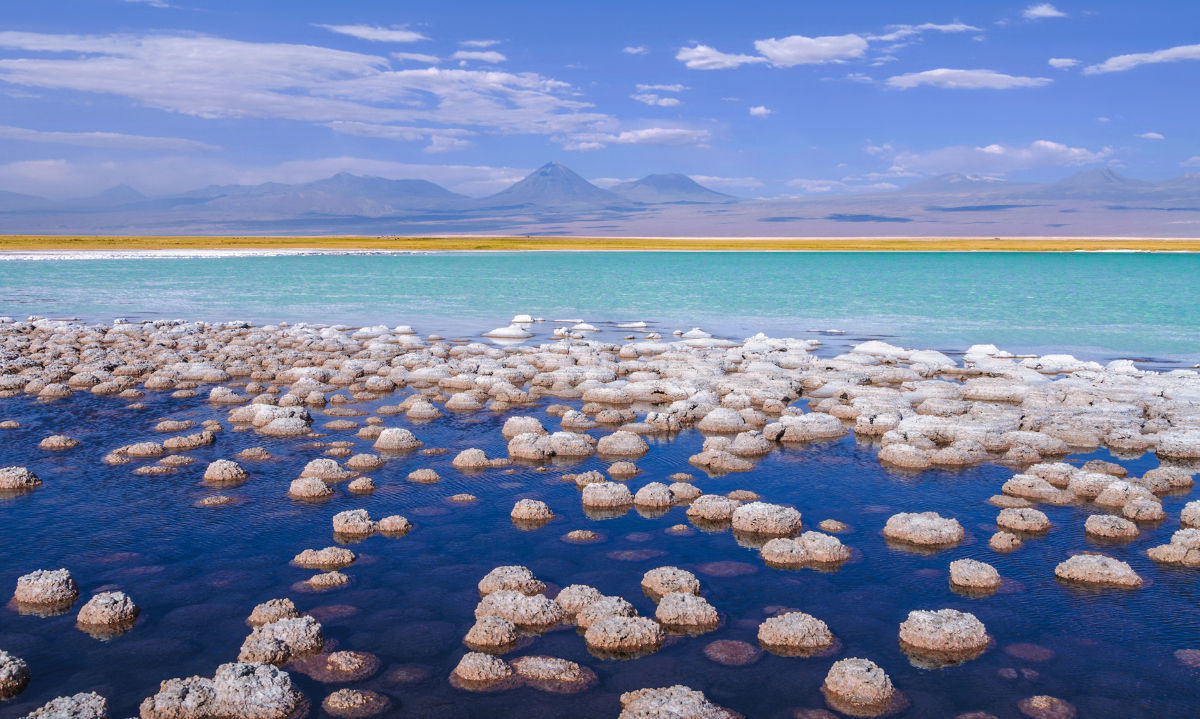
33,243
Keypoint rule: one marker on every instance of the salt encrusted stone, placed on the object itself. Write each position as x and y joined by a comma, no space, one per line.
283,640
1098,570
858,687
674,702
524,611
513,578
327,558
928,529
47,588
14,675
682,609
490,633
622,635
273,610
945,631
973,574
1023,520
85,705
108,609
794,632
766,519
17,479
664,580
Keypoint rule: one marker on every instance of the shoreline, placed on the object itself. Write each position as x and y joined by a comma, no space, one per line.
81,247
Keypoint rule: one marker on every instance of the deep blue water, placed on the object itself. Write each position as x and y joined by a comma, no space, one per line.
198,572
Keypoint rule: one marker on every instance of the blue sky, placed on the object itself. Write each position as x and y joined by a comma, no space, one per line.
757,99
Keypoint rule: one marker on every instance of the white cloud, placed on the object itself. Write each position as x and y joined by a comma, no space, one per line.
965,80
761,111
822,187
728,183
991,159
1151,136
215,78
151,3
650,98
375,33
416,57
478,43
661,88
1121,63
703,57
166,175
439,139
903,32
114,140
646,136
1191,162
481,55
1062,63
800,50
634,50
1042,11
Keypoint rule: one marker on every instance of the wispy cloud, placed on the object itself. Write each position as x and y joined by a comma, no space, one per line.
703,57
761,111
965,80
645,136
478,43
1042,11
800,50
151,3
113,140
634,50
661,88
377,34
728,183
490,56
991,159
1120,63
416,57
1062,63
1151,136
650,98
896,33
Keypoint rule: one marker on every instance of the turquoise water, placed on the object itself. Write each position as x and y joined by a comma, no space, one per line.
1095,305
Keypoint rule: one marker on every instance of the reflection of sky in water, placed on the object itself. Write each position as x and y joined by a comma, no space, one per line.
1096,305
198,572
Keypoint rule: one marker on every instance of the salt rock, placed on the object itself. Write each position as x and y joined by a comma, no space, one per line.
1183,549
325,469
491,633
534,611
606,494
623,470
832,525
905,456
47,588
478,668
666,580
674,702
87,705
794,633
535,447
145,449
1004,541
394,525
1175,477
808,548
858,687
254,454
1098,570
14,675
1022,520
353,522
624,635
1143,509
683,492
1120,492
1179,444
514,577
272,610
326,580
974,575
362,485
521,425
622,444
575,597
471,459
463,498
1189,516
766,519
1058,474
58,443
250,690
224,471
396,439
605,606
108,609
309,488
355,703
531,510
1027,486
282,641
18,479
365,462
943,632
684,609
654,495
717,461
285,427
327,558
712,508
552,673
926,529
1107,526
1046,707
1089,485
722,420
1099,465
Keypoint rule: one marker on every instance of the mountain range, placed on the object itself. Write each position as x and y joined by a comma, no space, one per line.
555,200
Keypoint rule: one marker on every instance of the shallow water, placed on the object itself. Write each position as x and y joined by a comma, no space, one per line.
197,573
1096,305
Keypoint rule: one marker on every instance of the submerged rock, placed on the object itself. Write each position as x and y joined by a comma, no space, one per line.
355,704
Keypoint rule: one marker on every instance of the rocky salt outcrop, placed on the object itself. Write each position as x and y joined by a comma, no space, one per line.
923,529
283,640
515,578
664,580
794,634
858,687
973,575
532,611
46,588
272,610
1183,550
674,702
944,634
766,519
18,479
108,611
621,636
85,705
685,610
224,471
1098,570
245,690
14,675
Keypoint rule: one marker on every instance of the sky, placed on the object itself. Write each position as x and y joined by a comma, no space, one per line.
758,99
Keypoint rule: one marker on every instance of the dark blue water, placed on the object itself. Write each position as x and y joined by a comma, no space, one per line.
197,573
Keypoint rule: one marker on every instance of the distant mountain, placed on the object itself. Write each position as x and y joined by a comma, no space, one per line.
1101,183
113,197
668,188
955,182
552,184
16,202
342,194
